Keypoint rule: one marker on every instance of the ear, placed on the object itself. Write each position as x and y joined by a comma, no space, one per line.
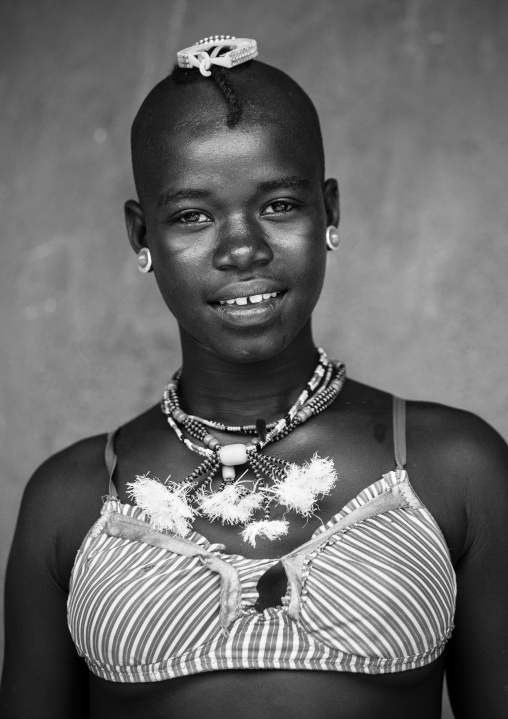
136,225
332,201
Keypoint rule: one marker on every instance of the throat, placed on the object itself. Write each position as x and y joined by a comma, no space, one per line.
238,394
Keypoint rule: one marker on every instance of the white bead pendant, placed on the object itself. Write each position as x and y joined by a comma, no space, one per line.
231,455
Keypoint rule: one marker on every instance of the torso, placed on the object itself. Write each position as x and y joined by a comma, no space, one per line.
275,694
357,433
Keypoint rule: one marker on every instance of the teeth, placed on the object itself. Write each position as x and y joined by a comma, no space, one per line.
254,299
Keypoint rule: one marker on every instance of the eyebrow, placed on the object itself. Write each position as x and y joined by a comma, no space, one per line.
165,198
293,182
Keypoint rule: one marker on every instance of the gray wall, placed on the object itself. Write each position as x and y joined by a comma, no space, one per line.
413,97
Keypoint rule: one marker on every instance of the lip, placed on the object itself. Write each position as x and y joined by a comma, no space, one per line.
250,315
246,289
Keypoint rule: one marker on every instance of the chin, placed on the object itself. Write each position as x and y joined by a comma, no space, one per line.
253,351
257,347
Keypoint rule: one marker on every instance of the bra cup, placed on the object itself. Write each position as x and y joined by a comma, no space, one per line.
376,589
149,584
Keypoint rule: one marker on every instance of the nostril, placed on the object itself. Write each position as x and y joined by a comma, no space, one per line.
242,253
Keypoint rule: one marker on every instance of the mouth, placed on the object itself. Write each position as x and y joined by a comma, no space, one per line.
250,309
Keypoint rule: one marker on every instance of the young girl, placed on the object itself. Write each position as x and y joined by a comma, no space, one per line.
256,547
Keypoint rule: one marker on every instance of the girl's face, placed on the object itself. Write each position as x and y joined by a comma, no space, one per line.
236,228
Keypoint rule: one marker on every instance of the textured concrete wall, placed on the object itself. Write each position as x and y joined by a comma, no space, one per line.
413,97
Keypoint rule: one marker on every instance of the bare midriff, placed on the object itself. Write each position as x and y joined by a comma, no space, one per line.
269,694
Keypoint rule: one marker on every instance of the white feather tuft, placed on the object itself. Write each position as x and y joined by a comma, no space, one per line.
302,486
265,528
166,504
232,505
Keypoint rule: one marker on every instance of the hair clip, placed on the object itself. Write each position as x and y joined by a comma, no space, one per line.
226,51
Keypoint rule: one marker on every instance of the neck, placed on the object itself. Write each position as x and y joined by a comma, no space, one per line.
240,393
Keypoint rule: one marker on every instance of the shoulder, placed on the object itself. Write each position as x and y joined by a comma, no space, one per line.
460,464
60,503
71,474
460,441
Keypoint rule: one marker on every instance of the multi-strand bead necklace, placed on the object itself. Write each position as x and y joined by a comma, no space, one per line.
173,506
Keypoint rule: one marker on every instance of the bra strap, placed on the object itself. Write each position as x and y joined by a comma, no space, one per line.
110,459
399,431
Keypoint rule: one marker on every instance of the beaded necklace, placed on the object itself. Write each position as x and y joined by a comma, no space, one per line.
173,506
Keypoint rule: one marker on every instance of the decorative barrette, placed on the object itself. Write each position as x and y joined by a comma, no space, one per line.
224,50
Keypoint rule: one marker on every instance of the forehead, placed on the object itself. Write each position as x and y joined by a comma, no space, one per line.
218,157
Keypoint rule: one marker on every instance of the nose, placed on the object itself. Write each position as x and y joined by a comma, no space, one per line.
241,246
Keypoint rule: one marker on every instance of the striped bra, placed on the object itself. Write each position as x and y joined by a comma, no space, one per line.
373,591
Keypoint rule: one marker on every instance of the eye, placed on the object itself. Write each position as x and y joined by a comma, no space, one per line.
278,207
192,217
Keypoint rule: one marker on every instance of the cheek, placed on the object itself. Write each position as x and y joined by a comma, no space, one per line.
315,274
178,288
177,271
307,260
312,285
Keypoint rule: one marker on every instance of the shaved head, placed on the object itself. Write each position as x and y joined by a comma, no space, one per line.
188,104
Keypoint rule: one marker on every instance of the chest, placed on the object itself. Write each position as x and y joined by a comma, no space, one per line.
361,446
168,458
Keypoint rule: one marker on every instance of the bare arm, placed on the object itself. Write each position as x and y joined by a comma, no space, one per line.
477,658
43,675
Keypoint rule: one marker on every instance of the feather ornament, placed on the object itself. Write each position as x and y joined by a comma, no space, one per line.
166,504
271,529
303,484
232,505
